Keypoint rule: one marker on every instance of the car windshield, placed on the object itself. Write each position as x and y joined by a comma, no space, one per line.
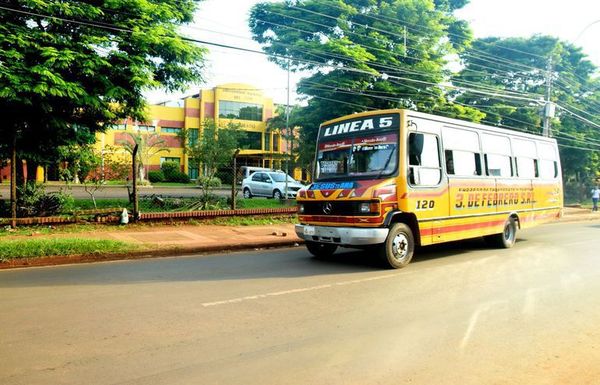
280,177
358,157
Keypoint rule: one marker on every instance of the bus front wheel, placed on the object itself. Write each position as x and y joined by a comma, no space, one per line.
399,246
321,250
507,238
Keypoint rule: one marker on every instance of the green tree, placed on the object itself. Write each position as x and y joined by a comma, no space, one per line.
68,64
214,149
356,53
515,69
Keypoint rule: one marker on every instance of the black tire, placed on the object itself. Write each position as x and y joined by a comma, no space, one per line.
247,193
321,250
277,195
506,239
398,249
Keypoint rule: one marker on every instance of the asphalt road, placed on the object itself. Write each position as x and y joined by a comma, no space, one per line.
459,314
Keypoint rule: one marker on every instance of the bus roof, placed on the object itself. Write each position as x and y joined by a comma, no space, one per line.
437,118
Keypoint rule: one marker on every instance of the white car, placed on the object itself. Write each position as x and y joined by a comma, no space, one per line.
270,185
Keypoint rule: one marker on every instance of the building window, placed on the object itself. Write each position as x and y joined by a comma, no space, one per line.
170,159
242,111
146,128
192,136
170,130
276,138
193,170
251,141
117,127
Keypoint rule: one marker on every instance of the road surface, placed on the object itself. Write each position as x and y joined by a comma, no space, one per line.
459,314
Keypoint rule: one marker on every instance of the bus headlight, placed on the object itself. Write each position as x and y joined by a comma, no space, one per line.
365,208
301,209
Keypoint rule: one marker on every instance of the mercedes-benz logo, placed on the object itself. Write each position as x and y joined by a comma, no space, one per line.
327,208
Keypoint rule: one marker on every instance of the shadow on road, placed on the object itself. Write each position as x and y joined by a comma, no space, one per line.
258,264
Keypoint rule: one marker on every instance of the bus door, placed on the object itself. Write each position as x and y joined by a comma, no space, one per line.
471,191
427,190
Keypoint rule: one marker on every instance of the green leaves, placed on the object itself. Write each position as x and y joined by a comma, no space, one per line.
363,54
70,62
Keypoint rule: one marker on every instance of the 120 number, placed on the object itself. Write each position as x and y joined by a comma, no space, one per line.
425,204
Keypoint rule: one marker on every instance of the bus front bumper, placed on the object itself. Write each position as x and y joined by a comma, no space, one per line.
344,236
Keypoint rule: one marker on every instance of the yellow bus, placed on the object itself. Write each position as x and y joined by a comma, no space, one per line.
391,180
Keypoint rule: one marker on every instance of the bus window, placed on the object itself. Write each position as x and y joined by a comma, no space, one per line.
449,162
548,166
526,167
497,155
525,154
498,165
424,160
462,148
548,169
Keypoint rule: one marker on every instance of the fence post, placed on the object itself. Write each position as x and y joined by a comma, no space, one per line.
234,179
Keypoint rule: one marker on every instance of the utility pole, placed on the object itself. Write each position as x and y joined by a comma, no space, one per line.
549,107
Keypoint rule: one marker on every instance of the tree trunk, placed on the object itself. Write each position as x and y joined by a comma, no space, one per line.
13,183
19,174
134,185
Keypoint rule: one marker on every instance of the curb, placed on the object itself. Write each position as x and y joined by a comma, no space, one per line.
145,254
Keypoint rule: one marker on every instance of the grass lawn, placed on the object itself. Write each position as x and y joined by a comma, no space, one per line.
32,248
147,206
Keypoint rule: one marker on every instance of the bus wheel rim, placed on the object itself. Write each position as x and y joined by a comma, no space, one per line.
400,247
508,232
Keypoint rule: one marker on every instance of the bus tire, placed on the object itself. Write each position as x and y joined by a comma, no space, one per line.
506,239
321,250
398,249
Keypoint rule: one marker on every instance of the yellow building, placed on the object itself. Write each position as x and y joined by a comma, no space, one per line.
237,103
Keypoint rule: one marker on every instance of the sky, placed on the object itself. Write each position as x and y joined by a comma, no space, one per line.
226,22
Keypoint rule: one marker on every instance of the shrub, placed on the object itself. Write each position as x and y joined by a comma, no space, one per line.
179,177
169,169
33,201
209,182
172,173
156,176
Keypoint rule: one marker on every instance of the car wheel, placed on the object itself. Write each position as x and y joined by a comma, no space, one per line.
277,194
398,249
247,193
321,250
507,238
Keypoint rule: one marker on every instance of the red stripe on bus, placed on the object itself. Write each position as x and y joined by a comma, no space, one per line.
465,227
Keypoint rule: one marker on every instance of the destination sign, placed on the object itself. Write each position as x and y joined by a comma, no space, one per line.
359,126
332,186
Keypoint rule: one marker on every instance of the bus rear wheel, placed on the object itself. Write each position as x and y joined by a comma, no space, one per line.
507,238
398,249
321,250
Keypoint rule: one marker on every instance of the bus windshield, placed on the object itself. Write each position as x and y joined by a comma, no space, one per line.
358,157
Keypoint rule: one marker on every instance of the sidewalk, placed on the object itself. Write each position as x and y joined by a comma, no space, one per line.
171,240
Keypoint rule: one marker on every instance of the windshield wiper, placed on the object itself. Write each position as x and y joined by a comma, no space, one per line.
387,162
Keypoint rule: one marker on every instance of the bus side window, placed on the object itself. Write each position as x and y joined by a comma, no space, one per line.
424,160
449,162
